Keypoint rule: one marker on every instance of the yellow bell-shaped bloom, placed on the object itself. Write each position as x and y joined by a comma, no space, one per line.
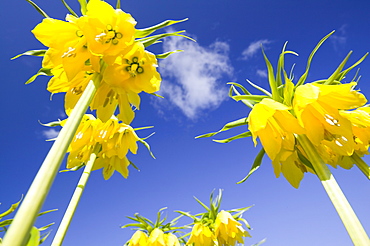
317,109
171,240
156,238
201,235
139,238
228,231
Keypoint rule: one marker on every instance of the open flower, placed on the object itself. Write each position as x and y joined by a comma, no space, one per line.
228,231
317,109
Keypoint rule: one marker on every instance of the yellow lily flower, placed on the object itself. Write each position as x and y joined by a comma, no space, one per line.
171,240
317,109
228,231
201,235
138,239
156,238
108,31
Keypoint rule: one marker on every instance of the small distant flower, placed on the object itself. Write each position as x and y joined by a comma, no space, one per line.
139,238
201,235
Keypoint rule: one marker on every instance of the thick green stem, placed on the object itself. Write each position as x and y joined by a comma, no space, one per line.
365,169
344,209
19,230
68,215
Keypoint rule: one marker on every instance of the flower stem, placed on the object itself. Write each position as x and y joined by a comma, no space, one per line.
19,230
68,215
344,209
365,169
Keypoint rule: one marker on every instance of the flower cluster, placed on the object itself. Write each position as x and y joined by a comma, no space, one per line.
101,41
111,140
210,228
330,113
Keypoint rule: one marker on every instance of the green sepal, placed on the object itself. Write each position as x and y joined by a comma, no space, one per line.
34,237
256,164
241,135
38,9
155,38
83,5
141,33
30,53
165,55
303,78
42,71
69,9
228,126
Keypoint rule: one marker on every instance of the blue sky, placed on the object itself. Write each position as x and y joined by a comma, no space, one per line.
196,102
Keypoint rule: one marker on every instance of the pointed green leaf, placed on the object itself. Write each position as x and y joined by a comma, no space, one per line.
303,78
260,242
11,209
267,93
233,90
245,91
337,71
30,53
118,4
256,164
271,78
38,9
201,203
227,140
165,55
83,5
42,71
69,9
250,98
34,237
228,126
155,38
344,73
141,33
147,146
288,91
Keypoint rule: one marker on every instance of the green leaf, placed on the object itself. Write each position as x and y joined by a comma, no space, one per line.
260,242
51,124
288,91
201,203
83,4
30,53
267,93
337,71
228,126
303,78
165,55
118,4
155,38
11,209
344,73
271,78
250,98
35,237
256,164
147,146
141,33
227,140
38,9
69,9
42,71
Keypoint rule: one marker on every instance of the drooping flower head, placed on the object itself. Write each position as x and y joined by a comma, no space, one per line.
201,235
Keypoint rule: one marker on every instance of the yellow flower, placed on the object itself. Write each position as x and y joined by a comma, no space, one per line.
317,109
228,231
272,122
134,71
108,31
156,238
201,235
171,240
138,239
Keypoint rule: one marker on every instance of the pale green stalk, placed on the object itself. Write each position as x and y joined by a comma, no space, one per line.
19,230
344,209
68,215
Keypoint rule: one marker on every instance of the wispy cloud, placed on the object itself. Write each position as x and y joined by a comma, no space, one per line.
262,73
192,79
339,38
50,133
253,48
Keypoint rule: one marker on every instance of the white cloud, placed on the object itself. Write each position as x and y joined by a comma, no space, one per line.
50,133
339,38
262,73
192,79
253,48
